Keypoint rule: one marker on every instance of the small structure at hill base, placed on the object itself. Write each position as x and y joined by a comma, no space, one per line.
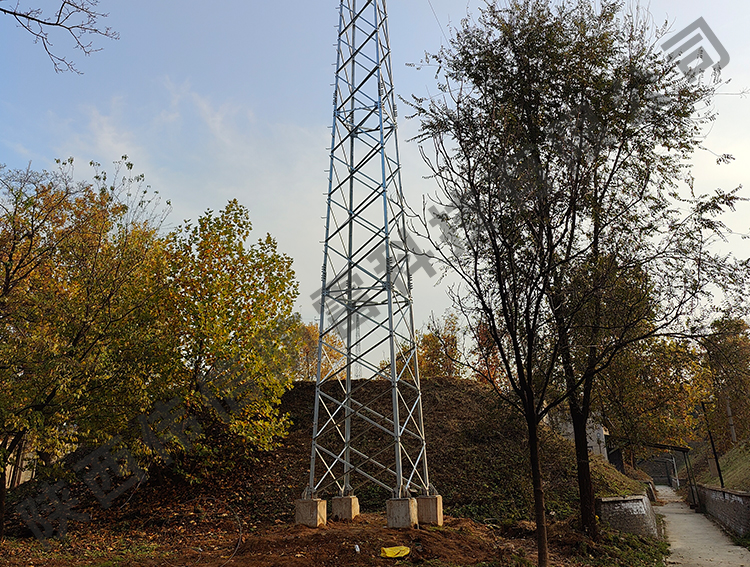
632,514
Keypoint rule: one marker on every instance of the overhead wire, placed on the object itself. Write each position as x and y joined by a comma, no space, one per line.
434,13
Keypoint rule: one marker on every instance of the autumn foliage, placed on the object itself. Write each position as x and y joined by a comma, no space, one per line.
103,315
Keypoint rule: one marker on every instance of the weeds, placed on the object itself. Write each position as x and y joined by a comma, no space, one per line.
617,549
744,541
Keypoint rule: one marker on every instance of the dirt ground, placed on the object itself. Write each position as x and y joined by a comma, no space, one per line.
213,541
241,511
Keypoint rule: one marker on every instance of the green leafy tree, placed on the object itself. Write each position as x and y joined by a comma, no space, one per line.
77,308
231,304
650,392
561,141
101,317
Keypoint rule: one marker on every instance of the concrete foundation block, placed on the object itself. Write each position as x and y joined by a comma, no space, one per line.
310,513
430,510
402,513
632,514
345,508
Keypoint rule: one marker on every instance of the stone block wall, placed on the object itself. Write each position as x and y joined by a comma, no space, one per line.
632,514
730,507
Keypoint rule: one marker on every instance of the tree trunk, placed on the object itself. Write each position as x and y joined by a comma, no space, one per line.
539,512
730,421
2,500
4,478
579,402
583,469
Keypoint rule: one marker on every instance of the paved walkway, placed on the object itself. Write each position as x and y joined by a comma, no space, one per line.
695,540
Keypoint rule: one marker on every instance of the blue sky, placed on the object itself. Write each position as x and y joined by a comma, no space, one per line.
234,101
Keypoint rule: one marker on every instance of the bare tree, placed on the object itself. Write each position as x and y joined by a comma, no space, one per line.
78,18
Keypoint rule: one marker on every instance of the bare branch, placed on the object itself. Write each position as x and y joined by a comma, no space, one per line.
79,18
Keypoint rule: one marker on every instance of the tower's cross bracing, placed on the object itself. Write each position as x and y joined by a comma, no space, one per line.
368,423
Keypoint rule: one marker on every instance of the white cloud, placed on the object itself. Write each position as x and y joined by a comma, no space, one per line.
199,152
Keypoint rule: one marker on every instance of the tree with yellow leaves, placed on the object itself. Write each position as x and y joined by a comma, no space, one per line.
334,353
78,308
231,304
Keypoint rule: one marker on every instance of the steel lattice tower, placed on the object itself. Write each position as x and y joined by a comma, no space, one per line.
368,424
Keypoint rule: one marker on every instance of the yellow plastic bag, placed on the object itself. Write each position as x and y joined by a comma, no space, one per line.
398,551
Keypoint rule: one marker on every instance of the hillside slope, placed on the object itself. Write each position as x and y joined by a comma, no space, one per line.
240,504
735,468
477,455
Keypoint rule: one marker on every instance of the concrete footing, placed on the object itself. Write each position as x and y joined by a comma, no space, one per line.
402,513
310,512
345,508
430,510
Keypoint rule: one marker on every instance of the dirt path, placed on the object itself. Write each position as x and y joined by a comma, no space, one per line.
695,540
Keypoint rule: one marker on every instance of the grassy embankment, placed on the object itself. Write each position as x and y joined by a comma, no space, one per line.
735,468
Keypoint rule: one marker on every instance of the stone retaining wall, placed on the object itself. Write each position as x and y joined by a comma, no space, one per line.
730,507
632,514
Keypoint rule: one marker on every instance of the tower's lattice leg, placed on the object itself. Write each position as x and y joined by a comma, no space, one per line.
368,423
